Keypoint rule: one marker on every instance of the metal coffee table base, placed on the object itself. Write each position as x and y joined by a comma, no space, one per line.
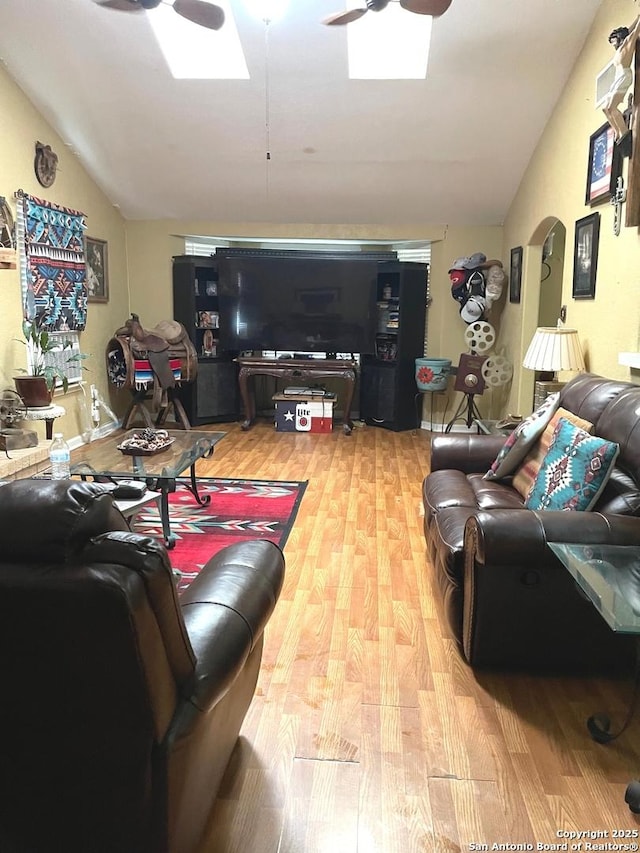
165,486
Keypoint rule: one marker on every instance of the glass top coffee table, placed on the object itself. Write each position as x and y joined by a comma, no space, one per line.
102,458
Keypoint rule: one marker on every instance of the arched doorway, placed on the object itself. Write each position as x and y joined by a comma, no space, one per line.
551,275
542,292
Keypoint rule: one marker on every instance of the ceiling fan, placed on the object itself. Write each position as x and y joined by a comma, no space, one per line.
420,7
197,11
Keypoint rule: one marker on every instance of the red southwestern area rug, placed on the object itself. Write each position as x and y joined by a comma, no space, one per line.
238,510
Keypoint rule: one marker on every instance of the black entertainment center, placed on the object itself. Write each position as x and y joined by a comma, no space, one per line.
333,305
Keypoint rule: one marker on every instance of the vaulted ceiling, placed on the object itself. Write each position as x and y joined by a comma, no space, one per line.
450,149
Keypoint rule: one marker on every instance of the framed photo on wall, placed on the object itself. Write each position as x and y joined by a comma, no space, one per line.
515,276
603,166
585,256
96,262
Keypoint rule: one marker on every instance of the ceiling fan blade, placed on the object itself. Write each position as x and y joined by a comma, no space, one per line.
120,5
426,7
200,12
344,17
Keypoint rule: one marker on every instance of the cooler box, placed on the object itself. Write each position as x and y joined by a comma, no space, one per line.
294,414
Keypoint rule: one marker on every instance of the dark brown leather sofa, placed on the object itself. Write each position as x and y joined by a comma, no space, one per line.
508,601
121,702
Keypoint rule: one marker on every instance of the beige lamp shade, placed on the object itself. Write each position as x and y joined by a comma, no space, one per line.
553,349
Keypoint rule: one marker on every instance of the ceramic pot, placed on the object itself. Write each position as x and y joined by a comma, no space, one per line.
33,391
432,373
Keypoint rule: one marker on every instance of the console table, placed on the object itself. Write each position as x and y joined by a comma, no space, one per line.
294,368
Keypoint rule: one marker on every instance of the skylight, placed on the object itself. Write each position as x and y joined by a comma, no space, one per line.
389,45
197,53
267,10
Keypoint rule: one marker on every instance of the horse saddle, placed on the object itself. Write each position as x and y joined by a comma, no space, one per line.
158,345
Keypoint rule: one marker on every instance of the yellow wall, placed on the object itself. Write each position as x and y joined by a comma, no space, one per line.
22,127
140,252
151,245
554,188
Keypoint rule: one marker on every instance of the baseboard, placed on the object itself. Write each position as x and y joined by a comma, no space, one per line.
80,440
438,427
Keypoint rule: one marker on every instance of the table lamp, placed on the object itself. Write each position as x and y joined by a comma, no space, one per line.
552,349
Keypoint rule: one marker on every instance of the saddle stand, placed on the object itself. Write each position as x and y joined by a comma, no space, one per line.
152,365
138,404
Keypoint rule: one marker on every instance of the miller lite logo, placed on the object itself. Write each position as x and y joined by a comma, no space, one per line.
303,417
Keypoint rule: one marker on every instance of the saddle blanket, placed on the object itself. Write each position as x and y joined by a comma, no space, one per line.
143,374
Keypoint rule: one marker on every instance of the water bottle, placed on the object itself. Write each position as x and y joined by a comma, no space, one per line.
60,458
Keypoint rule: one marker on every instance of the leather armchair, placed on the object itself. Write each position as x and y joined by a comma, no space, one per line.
122,702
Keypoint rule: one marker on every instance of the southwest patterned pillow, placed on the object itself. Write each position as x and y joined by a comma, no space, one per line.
525,475
574,471
522,440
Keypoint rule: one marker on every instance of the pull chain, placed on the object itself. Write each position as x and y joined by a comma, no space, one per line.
267,105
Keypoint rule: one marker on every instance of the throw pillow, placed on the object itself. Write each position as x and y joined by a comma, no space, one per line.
522,439
574,471
525,475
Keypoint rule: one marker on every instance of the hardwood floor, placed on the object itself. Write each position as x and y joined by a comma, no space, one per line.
368,733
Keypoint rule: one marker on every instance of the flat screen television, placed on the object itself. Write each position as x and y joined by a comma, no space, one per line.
297,301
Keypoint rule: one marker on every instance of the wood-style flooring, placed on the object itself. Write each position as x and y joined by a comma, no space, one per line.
368,733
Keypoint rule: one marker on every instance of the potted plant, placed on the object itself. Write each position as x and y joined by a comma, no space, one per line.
36,388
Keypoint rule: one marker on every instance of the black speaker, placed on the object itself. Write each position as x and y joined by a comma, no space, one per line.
378,394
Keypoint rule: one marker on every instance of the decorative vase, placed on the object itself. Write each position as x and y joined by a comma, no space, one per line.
432,373
33,391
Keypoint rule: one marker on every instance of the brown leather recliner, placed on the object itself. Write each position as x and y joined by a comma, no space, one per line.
121,702
508,600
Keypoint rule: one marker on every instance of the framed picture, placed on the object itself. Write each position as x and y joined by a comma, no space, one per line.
603,167
515,277
95,256
208,320
585,256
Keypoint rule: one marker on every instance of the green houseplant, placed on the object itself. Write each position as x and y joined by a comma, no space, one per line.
37,386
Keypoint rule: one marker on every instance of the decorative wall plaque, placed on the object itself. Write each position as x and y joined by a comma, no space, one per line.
45,164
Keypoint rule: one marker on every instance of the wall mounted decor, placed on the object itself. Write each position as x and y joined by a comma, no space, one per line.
8,254
52,268
603,166
45,164
97,269
585,256
515,278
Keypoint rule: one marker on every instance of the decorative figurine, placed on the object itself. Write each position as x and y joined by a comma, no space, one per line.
624,41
